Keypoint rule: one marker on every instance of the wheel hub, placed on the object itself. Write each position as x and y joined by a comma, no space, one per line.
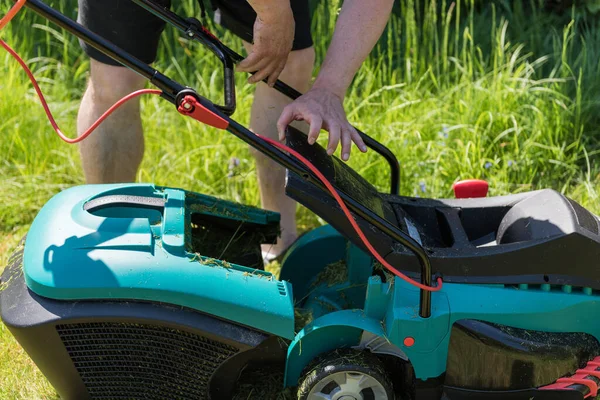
348,385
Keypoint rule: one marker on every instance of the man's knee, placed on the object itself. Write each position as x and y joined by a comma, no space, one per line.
299,67
110,83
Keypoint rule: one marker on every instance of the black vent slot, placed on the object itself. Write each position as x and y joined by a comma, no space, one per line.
585,218
134,361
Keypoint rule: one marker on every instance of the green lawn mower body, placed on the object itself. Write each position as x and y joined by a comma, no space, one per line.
135,291
129,278
124,291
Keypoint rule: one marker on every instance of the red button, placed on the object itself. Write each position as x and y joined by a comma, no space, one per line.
470,188
409,342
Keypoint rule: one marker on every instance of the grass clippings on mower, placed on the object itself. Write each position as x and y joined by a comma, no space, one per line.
264,384
333,274
238,245
302,317
16,271
378,268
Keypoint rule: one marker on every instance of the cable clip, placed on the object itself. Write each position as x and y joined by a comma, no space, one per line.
191,107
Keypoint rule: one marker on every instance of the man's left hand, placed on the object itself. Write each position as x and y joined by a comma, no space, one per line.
322,109
273,40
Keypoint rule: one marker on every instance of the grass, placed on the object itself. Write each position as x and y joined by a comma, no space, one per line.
500,90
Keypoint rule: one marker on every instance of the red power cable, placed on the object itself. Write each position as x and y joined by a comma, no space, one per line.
5,20
49,113
13,11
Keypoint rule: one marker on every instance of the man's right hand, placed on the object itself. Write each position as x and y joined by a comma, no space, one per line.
273,39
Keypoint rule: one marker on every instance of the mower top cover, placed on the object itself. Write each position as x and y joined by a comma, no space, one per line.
141,242
535,238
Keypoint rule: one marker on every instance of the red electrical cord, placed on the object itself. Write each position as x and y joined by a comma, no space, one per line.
5,20
49,113
13,11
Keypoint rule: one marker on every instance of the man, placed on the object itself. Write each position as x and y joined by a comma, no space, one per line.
281,48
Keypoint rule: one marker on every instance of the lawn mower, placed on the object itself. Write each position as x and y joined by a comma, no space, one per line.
138,291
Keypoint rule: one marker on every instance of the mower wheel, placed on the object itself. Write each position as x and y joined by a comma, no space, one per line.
346,375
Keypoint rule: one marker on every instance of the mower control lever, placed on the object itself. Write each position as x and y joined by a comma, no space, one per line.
193,29
197,31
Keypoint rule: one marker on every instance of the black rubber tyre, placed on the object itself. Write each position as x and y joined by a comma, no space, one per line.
353,363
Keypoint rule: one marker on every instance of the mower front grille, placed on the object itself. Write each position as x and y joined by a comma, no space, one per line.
134,361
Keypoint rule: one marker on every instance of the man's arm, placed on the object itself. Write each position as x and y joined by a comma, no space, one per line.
358,28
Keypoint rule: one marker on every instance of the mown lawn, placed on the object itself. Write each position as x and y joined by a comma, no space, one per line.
500,90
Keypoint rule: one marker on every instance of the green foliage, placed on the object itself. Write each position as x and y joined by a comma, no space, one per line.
504,90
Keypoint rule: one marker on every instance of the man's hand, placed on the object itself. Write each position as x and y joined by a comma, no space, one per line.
357,30
322,109
273,39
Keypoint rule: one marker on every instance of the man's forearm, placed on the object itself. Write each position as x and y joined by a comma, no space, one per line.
358,29
270,9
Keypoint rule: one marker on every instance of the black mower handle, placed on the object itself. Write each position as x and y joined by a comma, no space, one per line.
216,47
194,29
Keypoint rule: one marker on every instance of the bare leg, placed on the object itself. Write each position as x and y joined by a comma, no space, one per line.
114,151
266,109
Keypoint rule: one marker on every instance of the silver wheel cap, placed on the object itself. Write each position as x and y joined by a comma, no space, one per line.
348,385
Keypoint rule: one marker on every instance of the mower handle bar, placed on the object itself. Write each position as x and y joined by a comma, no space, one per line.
172,91
194,29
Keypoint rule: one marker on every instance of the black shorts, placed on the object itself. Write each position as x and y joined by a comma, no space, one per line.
137,31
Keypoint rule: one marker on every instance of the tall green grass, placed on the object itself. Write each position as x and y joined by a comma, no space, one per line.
457,90
504,91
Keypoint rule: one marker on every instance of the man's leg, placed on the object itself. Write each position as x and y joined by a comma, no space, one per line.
266,109
114,151
239,18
